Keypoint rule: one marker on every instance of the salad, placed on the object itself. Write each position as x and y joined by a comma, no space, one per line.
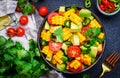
71,39
109,6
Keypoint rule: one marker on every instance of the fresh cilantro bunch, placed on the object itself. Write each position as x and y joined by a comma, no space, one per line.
16,62
25,7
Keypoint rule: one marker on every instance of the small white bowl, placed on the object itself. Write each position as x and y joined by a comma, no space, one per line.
108,14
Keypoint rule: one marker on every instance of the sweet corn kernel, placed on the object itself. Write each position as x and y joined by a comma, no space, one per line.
101,35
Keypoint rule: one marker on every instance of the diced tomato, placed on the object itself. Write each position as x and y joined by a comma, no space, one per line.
73,51
49,18
102,7
110,7
84,29
75,70
105,2
55,46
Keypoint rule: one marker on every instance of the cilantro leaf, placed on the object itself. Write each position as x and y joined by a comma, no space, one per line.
58,33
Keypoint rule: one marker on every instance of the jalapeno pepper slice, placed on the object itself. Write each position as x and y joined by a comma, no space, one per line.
67,23
86,21
87,3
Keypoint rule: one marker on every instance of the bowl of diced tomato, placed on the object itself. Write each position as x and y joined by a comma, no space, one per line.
108,7
71,39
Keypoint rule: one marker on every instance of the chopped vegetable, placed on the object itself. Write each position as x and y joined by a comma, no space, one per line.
87,3
67,23
86,21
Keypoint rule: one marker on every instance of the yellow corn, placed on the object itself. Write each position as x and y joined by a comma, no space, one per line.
75,64
57,58
47,52
58,20
45,35
101,36
87,60
67,33
68,13
75,18
94,23
82,37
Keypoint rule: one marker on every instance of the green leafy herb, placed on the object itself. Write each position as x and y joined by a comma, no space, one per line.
58,33
25,6
20,62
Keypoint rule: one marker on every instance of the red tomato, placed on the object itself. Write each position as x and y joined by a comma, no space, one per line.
55,46
73,51
76,70
11,32
43,10
20,31
84,29
49,18
23,20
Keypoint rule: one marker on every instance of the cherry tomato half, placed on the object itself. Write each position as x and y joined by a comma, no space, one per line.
43,10
11,32
55,46
20,31
73,51
23,20
49,18
84,29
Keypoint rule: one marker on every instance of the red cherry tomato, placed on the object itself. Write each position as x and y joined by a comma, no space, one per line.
23,20
73,51
55,46
43,10
11,32
20,31
49,18
76,70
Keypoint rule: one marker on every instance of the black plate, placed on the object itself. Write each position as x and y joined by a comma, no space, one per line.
68,72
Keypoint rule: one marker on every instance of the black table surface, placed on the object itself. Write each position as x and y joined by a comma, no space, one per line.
112,30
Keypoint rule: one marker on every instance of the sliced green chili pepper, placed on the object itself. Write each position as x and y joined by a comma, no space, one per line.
86,21
87,3
67,23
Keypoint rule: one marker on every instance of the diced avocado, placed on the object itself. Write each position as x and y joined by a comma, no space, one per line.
75,28
93,52
75,39
53,28
61,9
47,26
64,47
85,13
61,67
84,49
